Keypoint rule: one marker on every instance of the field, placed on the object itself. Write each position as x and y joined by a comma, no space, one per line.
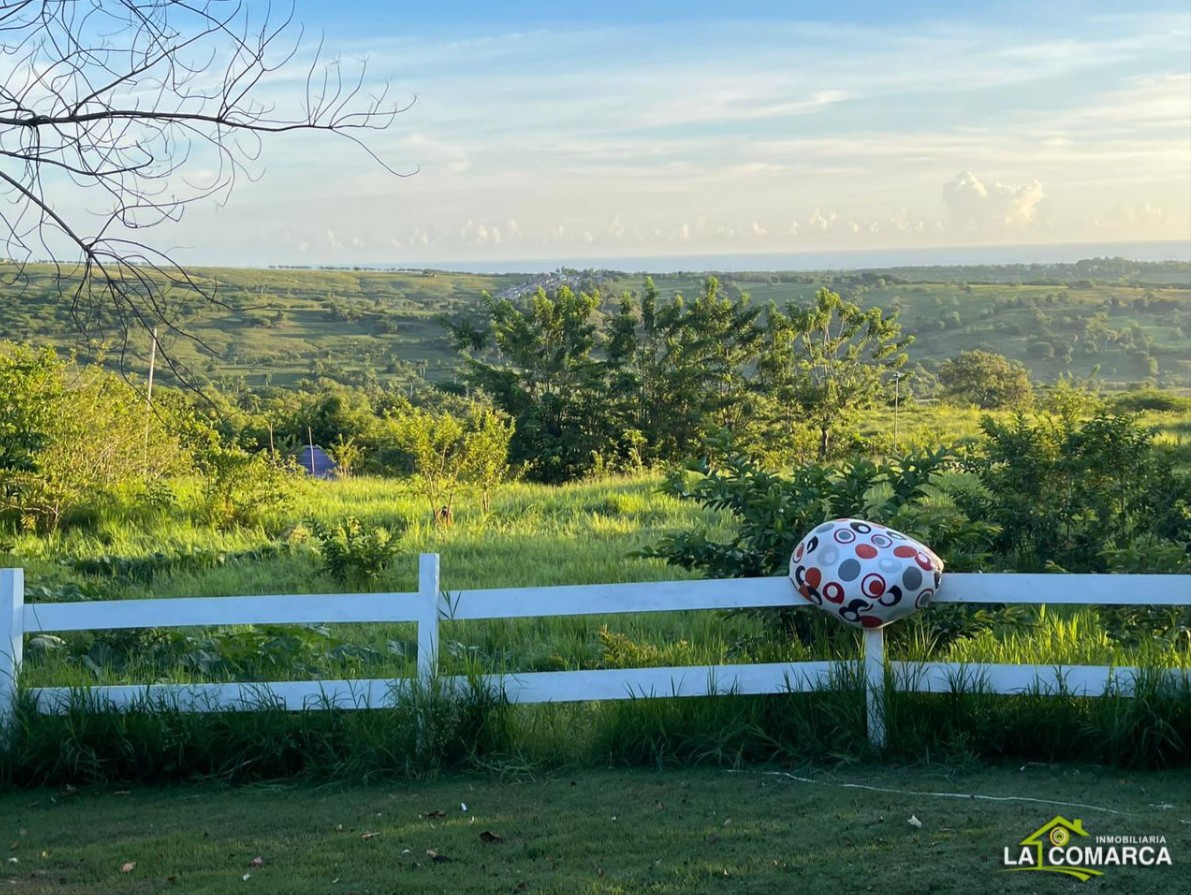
677,832
1125,323
535,535
129,540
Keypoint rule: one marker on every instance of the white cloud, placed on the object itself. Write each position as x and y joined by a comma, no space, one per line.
975,206
793,133
821,222
1136,216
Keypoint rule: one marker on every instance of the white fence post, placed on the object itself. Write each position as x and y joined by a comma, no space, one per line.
12,637
874,685
428,591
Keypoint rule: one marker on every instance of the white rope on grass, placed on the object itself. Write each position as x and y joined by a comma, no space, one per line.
940,795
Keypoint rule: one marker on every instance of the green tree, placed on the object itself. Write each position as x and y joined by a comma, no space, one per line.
434,443
31,385
487,456
536,360
346,453
68,442
990,381
447,453
843,356
683,370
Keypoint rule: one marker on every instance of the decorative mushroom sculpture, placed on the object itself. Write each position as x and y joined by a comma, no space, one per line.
863,573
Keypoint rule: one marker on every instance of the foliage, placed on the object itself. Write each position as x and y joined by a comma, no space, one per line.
620,651
664,376
1079,494
447,452
355,554
243,489
988,380
774,512
841,360
680,371
31,385
545,377
488,438
346,455
1136,401
64,445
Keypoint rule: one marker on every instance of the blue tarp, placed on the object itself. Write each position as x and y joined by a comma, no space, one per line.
315,462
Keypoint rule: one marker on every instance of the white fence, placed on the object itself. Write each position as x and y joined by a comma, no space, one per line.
431,604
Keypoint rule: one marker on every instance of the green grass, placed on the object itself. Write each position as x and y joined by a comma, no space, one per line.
534,536
611,832
579,534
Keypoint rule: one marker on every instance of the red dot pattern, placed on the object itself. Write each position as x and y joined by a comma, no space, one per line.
870,575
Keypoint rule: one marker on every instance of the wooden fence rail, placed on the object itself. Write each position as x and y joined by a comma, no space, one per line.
430,605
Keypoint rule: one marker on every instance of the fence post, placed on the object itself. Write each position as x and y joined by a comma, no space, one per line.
428,591
12,637
874,685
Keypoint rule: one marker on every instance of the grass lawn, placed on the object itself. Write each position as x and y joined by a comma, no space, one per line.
594,831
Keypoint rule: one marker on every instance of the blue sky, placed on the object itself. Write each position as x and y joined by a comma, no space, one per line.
621,129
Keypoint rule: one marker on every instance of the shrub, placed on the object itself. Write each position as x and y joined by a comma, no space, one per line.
68,443
245,489
1080,494
773,512
353,554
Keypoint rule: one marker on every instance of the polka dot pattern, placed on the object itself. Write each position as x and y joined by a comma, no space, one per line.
863,573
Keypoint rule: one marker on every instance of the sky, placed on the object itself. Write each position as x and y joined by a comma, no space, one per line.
537,131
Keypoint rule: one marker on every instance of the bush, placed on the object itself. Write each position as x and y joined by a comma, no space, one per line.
69,443
1080,494
773,512
1150,399
245,489
353,555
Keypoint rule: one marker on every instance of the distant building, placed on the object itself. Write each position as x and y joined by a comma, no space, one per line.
316,462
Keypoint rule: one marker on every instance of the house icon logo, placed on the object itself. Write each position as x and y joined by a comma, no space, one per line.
1064,846
1049,849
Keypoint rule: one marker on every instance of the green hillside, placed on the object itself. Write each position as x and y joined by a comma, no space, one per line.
1129,322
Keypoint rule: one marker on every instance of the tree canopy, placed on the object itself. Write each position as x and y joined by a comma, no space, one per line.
990,381
655,380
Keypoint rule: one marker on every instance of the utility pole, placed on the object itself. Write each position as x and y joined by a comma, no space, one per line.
897,383
149,396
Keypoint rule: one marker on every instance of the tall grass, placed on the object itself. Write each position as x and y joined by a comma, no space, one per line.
532,536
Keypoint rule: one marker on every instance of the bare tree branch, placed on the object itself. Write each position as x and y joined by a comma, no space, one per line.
105,107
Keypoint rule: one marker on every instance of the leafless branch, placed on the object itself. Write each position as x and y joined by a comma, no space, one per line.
107,105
